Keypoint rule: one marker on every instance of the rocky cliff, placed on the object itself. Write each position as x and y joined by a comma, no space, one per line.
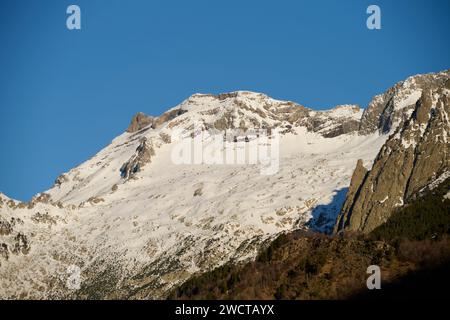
391,109
414,156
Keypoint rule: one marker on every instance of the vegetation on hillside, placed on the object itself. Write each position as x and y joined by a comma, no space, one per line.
305,265
427,217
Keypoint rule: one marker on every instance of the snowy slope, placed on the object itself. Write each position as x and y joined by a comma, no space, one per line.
135,237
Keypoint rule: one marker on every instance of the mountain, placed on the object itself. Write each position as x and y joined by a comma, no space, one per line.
134,221
408,238
415,156
391,109
412,250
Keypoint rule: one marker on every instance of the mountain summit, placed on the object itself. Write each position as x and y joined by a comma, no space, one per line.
135,224
414,157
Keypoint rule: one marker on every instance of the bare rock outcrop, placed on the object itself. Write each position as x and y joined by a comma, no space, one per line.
412,158
139,121
357,180
21,244
391,109
4,252
167,116
142,156
5,227
61,179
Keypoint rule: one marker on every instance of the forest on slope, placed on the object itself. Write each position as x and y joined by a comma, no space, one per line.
412,249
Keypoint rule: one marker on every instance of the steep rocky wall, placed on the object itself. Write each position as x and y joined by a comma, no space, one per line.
391,109
413,157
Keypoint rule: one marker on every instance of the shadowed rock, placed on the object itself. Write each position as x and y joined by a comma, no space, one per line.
143,155
358,177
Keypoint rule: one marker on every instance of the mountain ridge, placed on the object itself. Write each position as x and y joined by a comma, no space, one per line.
137,224
413,157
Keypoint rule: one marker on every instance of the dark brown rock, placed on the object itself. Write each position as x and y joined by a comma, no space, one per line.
142,156
61,179
5,228
358,177
167,116
21,244
139,121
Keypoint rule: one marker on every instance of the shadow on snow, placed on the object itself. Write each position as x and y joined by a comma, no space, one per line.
324,215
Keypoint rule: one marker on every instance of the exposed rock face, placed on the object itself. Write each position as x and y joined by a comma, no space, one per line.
60,180
245,110
41,197
143,154
139,121
339,120
12,241
358,177
45,218
167,116
4,252
331,123
412,158
392,108
5,227
21,244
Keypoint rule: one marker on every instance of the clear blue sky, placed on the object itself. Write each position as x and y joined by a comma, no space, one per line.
66,94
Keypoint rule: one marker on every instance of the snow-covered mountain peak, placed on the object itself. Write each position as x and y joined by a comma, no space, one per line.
346,110
391,109
244,100
249,110
133,218
135,150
